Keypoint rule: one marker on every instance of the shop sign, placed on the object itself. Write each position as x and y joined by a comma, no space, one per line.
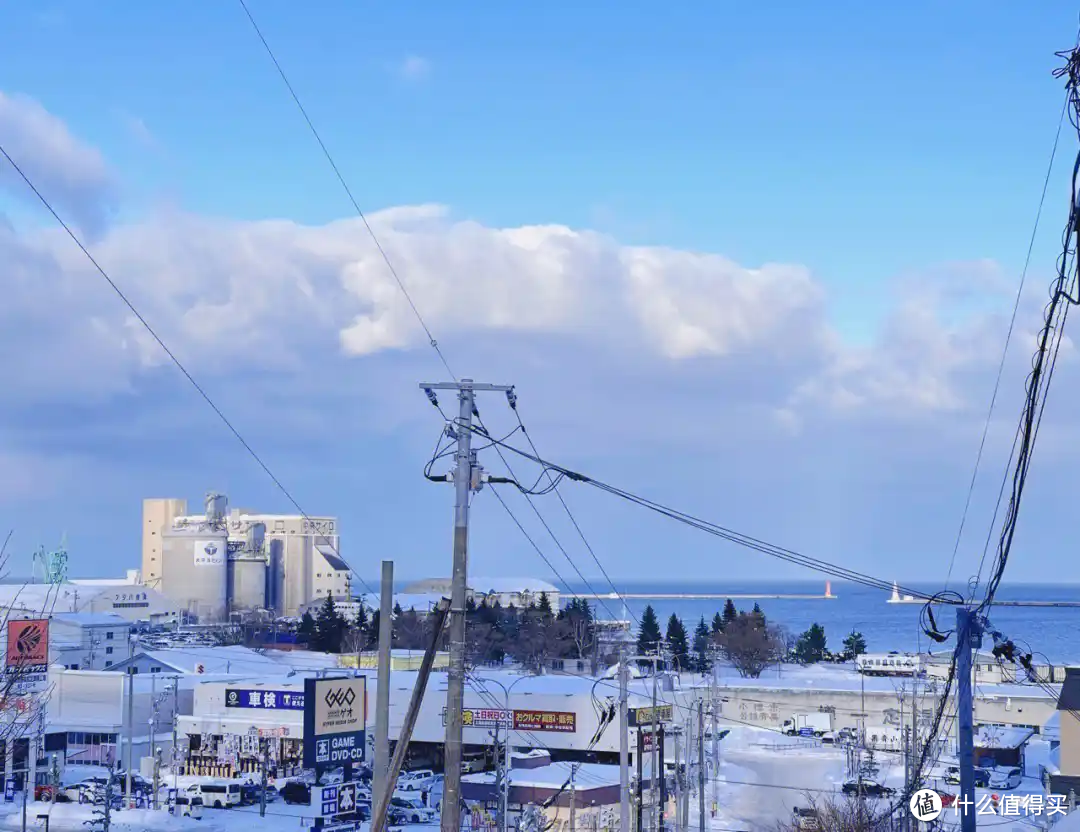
484,718
644,716
267,700
560,721
335,713
28,648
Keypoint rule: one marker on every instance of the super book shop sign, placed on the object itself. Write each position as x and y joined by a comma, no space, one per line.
335,712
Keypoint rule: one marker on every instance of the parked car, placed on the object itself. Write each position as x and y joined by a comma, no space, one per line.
296,793
806,820
869,788
410,781
1006,778
413,810
982,777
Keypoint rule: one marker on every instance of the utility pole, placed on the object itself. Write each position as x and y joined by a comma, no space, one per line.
573,796
382,689
678,782
176,714
467,477
968,637
130,732
906,740
624,743
715,734
265,767
701,764
153,739
656,786
506,775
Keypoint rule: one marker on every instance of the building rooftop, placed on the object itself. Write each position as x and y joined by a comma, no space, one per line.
998,736
212,660
90,619
555,775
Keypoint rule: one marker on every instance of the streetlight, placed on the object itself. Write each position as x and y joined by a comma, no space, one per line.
505,795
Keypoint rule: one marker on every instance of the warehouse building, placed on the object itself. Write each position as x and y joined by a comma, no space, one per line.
507,592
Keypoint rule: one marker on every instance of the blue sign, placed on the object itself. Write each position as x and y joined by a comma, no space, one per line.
9,790
273,700
329,800
338,749
806,732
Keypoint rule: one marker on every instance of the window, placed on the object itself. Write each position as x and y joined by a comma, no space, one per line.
108,651
155,669
108,664
108,636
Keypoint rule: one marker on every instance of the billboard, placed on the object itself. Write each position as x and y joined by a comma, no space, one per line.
561,721
335,710
272,700
27,647
208,553
643,717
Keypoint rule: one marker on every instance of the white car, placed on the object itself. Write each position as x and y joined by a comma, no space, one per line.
1005,778
413,810
415,781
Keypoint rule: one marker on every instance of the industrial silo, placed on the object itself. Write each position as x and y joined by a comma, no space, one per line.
194,573
247,581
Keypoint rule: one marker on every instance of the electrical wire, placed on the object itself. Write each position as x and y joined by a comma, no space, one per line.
171,355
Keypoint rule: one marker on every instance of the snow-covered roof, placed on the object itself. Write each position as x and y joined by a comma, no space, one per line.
302,659
213,660
553,776
90,619
998,736
509,585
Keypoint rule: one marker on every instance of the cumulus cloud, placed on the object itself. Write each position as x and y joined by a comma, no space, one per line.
69,173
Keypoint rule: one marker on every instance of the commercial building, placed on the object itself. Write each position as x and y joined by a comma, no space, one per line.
130,601
399,660
515,592
79,641
222,562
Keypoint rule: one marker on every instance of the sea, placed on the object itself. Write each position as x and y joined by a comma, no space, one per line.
1053,632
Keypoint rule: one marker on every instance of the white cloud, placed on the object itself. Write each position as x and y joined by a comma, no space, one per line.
69,173
414,68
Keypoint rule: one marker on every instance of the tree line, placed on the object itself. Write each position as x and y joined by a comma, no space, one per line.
537,635
531,636
746,640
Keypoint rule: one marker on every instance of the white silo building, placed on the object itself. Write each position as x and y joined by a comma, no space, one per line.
281,563
194,564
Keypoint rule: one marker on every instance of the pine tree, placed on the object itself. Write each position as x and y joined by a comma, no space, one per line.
854,645
730,613
702,641
717,625
307,627
677,644
329,627
360,621
544,605
810,646
759,616
373,629
649,637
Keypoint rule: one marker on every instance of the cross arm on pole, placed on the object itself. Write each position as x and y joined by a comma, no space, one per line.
467,384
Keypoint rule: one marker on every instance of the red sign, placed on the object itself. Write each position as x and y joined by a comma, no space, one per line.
545,721
28,645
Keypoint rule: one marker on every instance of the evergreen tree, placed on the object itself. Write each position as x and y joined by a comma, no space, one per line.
307,627
810,646
677,644
373,629
470,605
717,625
544,605
759,616
730,613
649,637
854,645
360,621
702,641
397,610
329,627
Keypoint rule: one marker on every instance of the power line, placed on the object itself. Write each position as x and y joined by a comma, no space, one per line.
1008,339
739,538
172,356
382,251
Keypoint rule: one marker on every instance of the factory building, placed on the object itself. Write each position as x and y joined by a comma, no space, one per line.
224,562
507,592
130,601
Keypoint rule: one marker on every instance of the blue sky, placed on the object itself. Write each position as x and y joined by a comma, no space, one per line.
891,158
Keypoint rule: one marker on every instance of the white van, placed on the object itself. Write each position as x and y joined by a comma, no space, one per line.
218,794
1005,778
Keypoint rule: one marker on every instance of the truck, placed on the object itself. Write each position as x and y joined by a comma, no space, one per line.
809,724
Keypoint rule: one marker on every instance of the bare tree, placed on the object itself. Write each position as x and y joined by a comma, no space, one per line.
750,645
835,814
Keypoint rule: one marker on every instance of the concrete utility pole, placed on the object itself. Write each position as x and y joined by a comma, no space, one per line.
968,637
130,732
467,477
715,733
265,767
701,764
573,796
382,689
678,782
624,743
655,784
176,717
